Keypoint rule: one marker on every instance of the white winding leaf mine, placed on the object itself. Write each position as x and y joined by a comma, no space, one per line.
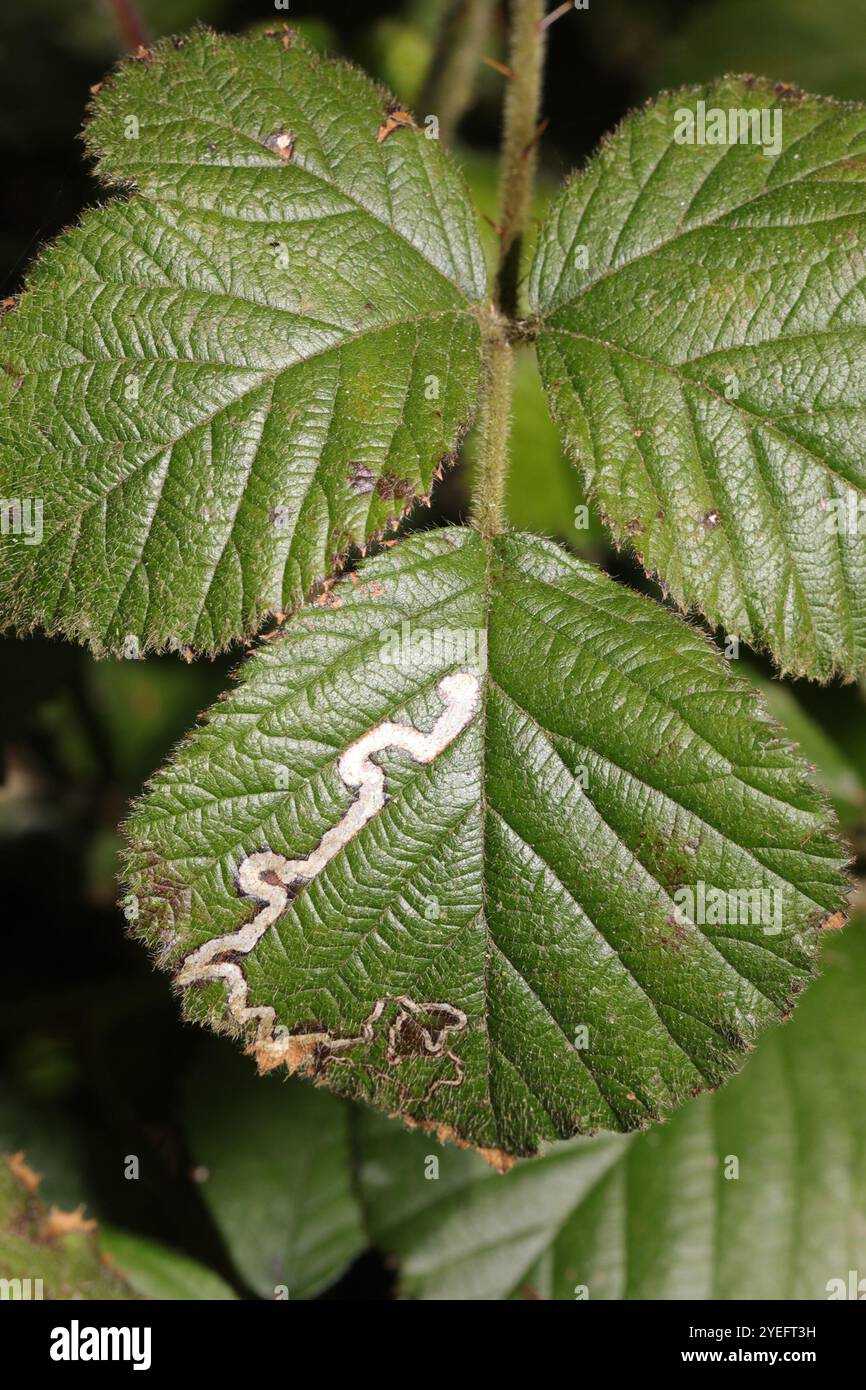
272,880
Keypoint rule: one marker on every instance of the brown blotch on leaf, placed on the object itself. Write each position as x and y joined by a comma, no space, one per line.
408,1039
285,35
710,520
362,480
676,939
328,599
497,1158
293,1051
374,589
395,119
58,1223
22,1172
834,922
281,143
390,486
420,1036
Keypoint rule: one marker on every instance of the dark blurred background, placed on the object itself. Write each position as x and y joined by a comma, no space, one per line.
92,1055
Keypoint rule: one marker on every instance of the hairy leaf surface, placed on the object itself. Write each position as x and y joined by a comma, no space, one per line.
664,1215
55,1253
702,326
260,357
484,927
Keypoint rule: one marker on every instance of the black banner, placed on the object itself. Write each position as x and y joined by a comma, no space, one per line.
227,1338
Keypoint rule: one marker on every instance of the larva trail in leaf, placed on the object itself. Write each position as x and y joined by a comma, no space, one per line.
272,880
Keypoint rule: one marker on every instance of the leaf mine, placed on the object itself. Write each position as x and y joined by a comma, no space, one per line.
488,841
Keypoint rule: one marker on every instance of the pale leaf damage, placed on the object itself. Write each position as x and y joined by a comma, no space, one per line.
409,1028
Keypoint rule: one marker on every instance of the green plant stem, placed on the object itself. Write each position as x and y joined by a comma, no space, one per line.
488,499
519,145
447,90
131,28
517,174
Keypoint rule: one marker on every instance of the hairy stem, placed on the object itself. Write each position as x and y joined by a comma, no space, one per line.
130,25
447,90
517,173
488,500
522,100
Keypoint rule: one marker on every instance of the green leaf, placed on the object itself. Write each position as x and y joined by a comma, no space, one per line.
277,1176
457,1230
58,1248
706,365
661,1215
155,1270
219,384
485,928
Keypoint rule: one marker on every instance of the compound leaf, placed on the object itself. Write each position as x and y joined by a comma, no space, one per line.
448,848
217,385
701,331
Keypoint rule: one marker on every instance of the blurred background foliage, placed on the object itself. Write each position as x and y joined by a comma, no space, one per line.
94,1065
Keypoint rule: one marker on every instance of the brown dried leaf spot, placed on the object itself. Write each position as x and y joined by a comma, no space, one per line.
58,1223
292,1051
834,922
23,1173
395,119
281,143
497,1158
